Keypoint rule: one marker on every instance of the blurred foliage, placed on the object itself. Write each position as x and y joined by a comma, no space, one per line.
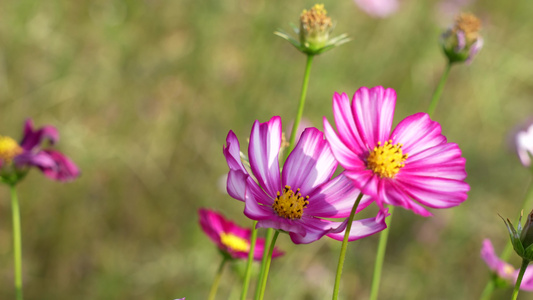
144,92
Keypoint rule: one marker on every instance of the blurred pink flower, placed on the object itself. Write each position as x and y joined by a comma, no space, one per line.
524,145
16,158
378,8
505,270
230,238
409,166
299,199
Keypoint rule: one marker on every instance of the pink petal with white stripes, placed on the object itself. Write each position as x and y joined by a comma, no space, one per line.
345,122
265,142
335,199
232,152
363,228
316,229
236,184
443,161
417,133
374,110
346,157
310,164
435,192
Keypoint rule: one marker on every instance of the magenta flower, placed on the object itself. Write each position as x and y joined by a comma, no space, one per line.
231,239
409,166
15,158
378,8
299,199
505,270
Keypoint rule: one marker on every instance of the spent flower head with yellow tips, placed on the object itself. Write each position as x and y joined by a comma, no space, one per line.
314,32
462,41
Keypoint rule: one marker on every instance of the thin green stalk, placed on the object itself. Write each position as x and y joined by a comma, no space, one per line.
216,281
267,265
344,247
491,285
300,105
248,272
382,246
17,242
268,237
523,268
439,89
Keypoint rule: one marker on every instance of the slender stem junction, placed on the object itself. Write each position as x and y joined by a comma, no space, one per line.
439,89
300,105
216,281
344,247
267,265
523,268
382,246
17,242
248,273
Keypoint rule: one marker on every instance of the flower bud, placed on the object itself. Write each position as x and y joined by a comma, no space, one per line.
522,238
314,32
463,41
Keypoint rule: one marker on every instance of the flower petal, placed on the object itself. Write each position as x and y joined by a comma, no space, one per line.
232,152
63,170
434,192
211,223
236,184
345,122
310,164
417,133
33,138
344,155
363,228
335,199
265,142
315,229
442,161
374,110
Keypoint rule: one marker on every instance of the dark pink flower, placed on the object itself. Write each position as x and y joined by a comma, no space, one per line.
302,198
505,270
15,158
412,165
229,237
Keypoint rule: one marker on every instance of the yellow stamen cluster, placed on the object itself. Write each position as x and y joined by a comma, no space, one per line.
234,242
9,148
315,19
469,24
386,160
291,204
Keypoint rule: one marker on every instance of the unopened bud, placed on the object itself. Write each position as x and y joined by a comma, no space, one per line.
463,41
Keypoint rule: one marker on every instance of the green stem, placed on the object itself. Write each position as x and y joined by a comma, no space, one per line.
344,247
268,237
267,265
382,246
506,253
248,272
523,268
300,105
17,242
216,281
439,89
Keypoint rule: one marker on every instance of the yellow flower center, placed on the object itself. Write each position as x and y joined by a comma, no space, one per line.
290,204
469,24
386,160
234,242
9,148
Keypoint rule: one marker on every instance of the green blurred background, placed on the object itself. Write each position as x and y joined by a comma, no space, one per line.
144,92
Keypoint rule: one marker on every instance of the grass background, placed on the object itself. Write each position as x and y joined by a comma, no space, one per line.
144,92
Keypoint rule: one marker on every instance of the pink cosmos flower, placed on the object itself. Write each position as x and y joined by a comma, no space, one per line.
15,158
231,239
300,198
378,8
505,270
409,166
